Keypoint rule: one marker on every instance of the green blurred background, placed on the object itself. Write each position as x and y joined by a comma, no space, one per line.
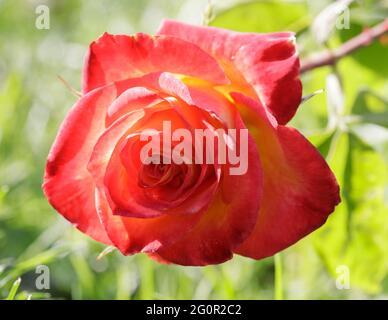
349,124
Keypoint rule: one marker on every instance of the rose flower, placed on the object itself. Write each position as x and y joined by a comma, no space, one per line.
190,212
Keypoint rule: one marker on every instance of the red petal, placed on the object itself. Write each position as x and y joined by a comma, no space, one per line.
300,191
132,99
272,68
117,57
124,189
210,100
217,41
132,235
268,62
227,223
224,220
67,184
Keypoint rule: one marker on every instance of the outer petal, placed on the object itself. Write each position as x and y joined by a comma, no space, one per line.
219,42
268,62
117,57
300,191
67,184
273,70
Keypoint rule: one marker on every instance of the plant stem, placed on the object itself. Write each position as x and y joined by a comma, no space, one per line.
328,57
147,281
278,277
14,289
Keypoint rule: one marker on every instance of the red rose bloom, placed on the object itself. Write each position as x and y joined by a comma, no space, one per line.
189,214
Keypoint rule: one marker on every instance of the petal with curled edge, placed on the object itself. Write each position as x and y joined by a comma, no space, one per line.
113,58
300,191
267,62
132,99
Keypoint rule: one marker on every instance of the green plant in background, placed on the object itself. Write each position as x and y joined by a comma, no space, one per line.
349,124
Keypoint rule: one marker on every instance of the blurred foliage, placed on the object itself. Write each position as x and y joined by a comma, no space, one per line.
265,16
352,135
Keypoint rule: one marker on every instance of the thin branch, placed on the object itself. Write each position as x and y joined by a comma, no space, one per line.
327,57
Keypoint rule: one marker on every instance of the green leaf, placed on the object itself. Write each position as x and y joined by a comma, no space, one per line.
373,135
147,278
370,107
356,235
85,285
373,56
264,16
369,12
369,121
20,268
